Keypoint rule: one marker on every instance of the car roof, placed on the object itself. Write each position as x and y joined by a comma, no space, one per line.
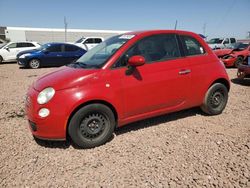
59,43
148,32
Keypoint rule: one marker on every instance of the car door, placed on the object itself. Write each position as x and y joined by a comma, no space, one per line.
161,84
71,53
10,51
53,55
200,67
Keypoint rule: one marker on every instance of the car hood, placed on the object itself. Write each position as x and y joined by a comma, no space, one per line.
27,51
65,77
222,52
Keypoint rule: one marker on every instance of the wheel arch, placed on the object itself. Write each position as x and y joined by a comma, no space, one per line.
91,102
222,81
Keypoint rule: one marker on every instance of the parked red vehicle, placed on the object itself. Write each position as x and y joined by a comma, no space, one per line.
127,78
244,70
235,56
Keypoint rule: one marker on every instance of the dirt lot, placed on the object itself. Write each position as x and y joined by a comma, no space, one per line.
183,149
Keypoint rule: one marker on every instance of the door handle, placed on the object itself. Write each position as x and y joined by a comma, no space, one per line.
185,71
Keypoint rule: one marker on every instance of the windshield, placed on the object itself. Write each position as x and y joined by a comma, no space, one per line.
215,41
44,46
99,55
80,40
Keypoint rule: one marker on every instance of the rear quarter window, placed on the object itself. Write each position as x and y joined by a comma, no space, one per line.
192,46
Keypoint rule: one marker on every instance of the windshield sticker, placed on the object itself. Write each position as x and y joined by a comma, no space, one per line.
126,36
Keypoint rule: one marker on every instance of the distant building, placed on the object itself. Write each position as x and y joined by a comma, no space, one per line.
44,35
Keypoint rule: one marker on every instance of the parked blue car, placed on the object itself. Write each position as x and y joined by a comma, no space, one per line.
50,54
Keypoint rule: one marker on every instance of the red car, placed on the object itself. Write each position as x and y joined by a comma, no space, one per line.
127,78
244,71
234,57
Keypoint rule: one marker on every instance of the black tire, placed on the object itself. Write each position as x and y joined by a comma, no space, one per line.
92,125
34,63
238,61
215,99
1,59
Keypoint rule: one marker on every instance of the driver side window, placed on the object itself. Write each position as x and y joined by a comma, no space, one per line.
156,48
12,45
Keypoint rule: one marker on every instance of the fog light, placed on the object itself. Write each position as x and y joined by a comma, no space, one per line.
43,112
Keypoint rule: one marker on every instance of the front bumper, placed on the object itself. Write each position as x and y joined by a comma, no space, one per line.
22,62
52,127
229,62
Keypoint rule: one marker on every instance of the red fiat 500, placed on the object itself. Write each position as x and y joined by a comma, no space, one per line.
127,78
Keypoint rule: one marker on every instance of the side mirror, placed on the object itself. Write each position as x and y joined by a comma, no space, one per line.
136,60
133,62
6,48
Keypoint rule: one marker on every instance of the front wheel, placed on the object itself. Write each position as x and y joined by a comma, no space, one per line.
215,99
92,125
34,63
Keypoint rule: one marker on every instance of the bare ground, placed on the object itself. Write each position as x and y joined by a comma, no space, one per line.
183,149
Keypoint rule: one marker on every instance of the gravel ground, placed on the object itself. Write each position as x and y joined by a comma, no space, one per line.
183,149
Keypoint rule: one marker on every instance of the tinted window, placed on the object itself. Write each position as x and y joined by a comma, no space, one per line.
98,40
233,40
89,41
12,45
226,41
24,44
71,48
154,48
54,48
192,46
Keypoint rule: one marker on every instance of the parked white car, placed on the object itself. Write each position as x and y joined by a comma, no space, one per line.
220,43
9,51
88,42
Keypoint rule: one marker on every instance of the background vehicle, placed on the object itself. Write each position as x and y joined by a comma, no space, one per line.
244,70
234,56
9,51
51,54
127,78
88,42
219,43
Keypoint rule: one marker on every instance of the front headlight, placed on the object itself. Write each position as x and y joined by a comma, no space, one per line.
24,55
45,95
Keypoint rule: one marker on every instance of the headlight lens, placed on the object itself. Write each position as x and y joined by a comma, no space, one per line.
24,55
45,95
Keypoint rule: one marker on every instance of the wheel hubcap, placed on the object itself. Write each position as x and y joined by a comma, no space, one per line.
216,99
34,63
93,126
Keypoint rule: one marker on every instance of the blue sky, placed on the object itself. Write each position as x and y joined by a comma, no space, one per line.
222,17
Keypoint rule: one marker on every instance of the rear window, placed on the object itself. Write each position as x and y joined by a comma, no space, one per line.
24,44
98,40
192,46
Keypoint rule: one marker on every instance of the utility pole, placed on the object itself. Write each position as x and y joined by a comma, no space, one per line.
204,29
175,26
65,27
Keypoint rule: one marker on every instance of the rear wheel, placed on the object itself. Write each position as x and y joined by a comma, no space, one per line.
215,100
34,63
92,125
